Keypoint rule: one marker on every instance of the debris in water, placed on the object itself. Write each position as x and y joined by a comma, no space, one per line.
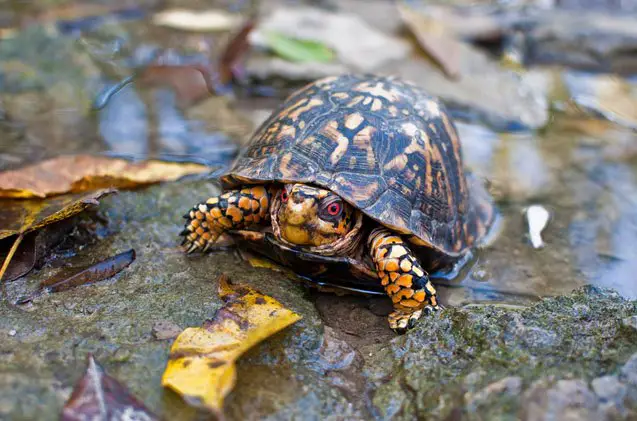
98,396
538,218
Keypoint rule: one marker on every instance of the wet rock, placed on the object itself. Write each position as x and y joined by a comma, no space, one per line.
486,354
607,96
561,400
588,40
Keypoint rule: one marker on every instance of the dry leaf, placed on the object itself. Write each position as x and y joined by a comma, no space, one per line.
85,172
201,366
84,276
98,396
197,20
234,51
19,218
439,43
190,82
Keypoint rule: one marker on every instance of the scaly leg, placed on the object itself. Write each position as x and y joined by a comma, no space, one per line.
234,209
405,281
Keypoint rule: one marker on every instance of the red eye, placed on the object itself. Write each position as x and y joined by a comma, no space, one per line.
284,196
334,209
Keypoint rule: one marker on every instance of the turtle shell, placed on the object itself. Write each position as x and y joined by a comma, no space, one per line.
384,146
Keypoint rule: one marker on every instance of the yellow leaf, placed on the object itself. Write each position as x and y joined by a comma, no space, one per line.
78,173
201,367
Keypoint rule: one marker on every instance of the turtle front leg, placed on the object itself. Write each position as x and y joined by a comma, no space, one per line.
405,281
234,209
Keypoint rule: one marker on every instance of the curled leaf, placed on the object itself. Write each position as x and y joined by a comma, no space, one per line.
98,396
76,173
85,276
201,366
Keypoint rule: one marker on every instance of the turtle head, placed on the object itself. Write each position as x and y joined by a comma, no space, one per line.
313,216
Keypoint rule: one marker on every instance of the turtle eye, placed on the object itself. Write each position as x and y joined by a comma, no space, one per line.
334,209
284,196
331,209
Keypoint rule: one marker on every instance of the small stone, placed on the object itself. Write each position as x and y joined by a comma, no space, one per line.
13,332
166,329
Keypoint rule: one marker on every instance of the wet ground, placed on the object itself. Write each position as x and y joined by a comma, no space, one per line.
560,137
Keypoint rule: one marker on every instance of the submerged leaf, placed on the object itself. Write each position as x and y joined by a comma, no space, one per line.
98,396
85,276
19,218
77,173
190,82
300,50
201,366
435,40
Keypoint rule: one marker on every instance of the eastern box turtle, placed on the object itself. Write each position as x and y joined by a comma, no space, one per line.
354,181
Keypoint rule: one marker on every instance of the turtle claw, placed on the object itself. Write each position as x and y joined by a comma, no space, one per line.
400,321
192,248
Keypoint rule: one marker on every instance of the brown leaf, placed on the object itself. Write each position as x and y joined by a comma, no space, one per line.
20,218
234,52
191,83
202,360
76,173
435,39
98,396
84,276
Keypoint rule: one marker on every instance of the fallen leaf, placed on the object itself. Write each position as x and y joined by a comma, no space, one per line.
98,396
197,20
233,52
84,276
19,218
190,82
201,365
78,173
299,50
436,41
